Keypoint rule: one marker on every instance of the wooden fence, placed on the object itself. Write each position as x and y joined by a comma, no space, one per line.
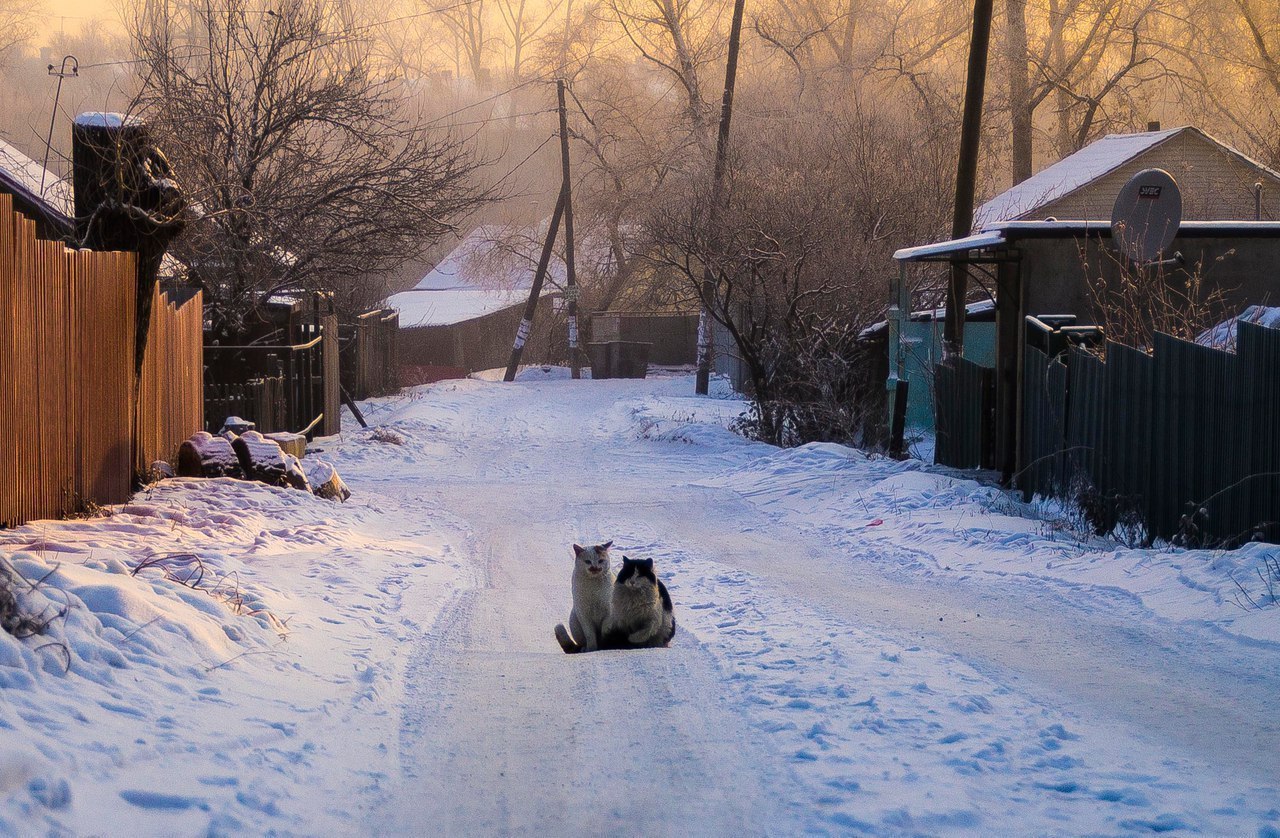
170,391
1185,441
67,386
258,400
292,388
370,366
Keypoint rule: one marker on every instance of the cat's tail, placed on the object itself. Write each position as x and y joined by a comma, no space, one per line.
670,633
567,643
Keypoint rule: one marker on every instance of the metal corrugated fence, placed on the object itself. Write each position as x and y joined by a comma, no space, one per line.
965,401
67,382
1187,439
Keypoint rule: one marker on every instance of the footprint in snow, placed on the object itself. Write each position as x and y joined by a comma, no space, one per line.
145,799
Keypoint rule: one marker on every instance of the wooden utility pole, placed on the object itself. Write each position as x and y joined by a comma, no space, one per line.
703,383
531,306
566,196
967,174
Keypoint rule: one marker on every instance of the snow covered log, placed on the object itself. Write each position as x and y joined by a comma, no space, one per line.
325,481
295,444
261,459
294,475
206,455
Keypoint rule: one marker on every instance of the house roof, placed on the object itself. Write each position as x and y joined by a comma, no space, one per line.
1087,165
37,191
479,262
443,307
491,269
926,252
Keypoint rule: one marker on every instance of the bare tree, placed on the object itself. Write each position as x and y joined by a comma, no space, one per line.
524,23
305,169
797,280
17,25
1089,58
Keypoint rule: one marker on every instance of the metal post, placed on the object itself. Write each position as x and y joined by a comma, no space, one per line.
705,341
967,174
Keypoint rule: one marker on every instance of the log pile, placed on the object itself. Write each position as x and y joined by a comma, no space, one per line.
274,459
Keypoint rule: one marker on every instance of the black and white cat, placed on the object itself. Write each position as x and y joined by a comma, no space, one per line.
592,585
640,612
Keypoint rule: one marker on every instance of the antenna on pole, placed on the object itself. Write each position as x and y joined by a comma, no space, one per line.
61,73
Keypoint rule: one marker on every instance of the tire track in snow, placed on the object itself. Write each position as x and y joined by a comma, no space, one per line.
505,734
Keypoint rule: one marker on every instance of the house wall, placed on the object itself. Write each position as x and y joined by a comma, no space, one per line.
434,352
1215,184
1054,270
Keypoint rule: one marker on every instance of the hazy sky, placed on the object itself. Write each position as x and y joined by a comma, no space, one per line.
73,13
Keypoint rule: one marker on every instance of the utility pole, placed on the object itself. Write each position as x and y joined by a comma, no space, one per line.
531,306
967,174
703,383
566,196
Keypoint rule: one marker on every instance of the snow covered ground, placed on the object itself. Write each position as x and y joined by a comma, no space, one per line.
864,646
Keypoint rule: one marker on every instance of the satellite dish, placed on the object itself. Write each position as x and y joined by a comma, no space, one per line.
1146,216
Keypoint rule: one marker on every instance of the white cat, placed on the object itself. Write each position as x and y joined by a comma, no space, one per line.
592,585
640,612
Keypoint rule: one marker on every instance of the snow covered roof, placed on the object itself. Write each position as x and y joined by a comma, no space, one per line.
442,307
1078,170
478,261
982,241
1223,335
492,268
1069,174
929,315
37,180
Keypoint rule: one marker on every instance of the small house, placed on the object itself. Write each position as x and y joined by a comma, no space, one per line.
462,316
1040,247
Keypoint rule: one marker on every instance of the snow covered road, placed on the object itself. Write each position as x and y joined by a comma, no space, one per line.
821,681
864,647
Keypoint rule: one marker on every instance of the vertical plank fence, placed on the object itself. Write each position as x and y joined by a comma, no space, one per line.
965,410
171,389
1185,440
67,386
369,361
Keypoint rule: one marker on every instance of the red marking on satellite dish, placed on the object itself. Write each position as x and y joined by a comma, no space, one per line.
1146,216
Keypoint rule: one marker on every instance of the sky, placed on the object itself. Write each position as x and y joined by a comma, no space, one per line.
73,14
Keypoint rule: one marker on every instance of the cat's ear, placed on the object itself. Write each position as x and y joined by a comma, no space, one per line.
606,545
577,551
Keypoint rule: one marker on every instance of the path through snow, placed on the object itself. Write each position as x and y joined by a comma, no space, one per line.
864,647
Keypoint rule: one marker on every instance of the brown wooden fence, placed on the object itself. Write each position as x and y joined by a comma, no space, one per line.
171,390
292,388
67,388
370,366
